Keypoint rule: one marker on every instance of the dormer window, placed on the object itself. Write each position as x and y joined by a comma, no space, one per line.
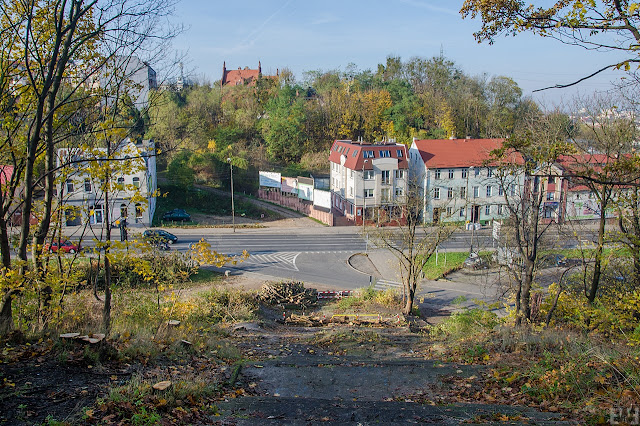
399,153
368,154
385,153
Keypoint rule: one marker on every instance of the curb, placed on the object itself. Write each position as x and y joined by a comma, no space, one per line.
377,273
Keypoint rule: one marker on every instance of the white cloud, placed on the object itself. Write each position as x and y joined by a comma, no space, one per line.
325,19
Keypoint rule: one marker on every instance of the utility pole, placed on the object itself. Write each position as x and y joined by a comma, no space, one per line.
364,208
233,209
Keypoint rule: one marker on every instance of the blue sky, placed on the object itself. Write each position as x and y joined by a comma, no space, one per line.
307,35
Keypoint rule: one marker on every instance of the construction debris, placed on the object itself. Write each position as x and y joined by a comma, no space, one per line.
288,293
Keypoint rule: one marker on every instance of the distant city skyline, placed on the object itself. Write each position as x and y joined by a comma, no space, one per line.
309,35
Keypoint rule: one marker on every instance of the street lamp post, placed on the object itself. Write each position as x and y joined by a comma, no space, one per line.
364,206
233,209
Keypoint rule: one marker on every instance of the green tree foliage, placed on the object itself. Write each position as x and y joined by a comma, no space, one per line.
283,130
277,121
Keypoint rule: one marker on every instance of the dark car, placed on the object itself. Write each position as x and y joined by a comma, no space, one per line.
65,247
176,215
160,235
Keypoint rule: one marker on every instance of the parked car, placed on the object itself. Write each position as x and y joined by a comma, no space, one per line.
65,247
160,234
176,215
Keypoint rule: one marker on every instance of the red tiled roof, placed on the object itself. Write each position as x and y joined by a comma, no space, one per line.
459,152
5,174
353,152
237,77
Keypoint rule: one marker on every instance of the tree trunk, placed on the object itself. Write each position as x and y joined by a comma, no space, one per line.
597,267
6,318
106,310
411,293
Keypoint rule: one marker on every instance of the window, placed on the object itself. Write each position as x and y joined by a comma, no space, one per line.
500,190
368,193
347,152
513,189
399,174
385,153
450,193
477,171
463,192
120,181
399,191
138,212
437,174
386,177
500,209
69,185
368,154
124,211
450,173
399,153
368,174
351,191
436,193
136,182
476,191
461,214
550,196
487,210
551,179
449,211
489,172
489,190
384,193
87,185
464,173
355,152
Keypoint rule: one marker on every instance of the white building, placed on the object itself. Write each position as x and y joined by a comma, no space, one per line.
458,181
136,77
132,193
369,177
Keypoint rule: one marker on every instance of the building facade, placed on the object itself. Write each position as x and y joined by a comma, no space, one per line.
132,190
369,180
458,182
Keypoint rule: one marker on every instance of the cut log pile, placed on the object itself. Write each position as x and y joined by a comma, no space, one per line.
288,293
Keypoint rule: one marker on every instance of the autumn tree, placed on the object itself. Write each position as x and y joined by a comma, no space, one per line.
604,163
411,243
524,168
54,54
609,25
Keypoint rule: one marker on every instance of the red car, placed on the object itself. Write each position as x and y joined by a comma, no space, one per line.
65,247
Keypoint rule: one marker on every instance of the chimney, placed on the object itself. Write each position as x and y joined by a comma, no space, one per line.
259,68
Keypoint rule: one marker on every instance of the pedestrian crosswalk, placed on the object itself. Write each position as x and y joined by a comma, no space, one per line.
382,285
282,260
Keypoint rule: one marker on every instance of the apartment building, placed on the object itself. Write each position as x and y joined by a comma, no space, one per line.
458,181
369,180
132,192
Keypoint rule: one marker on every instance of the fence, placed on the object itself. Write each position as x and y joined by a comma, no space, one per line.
297,204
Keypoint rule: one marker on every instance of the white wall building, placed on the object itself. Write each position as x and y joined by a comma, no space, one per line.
134,185
371,176
457,180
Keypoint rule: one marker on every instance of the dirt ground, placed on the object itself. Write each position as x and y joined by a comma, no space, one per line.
285,222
